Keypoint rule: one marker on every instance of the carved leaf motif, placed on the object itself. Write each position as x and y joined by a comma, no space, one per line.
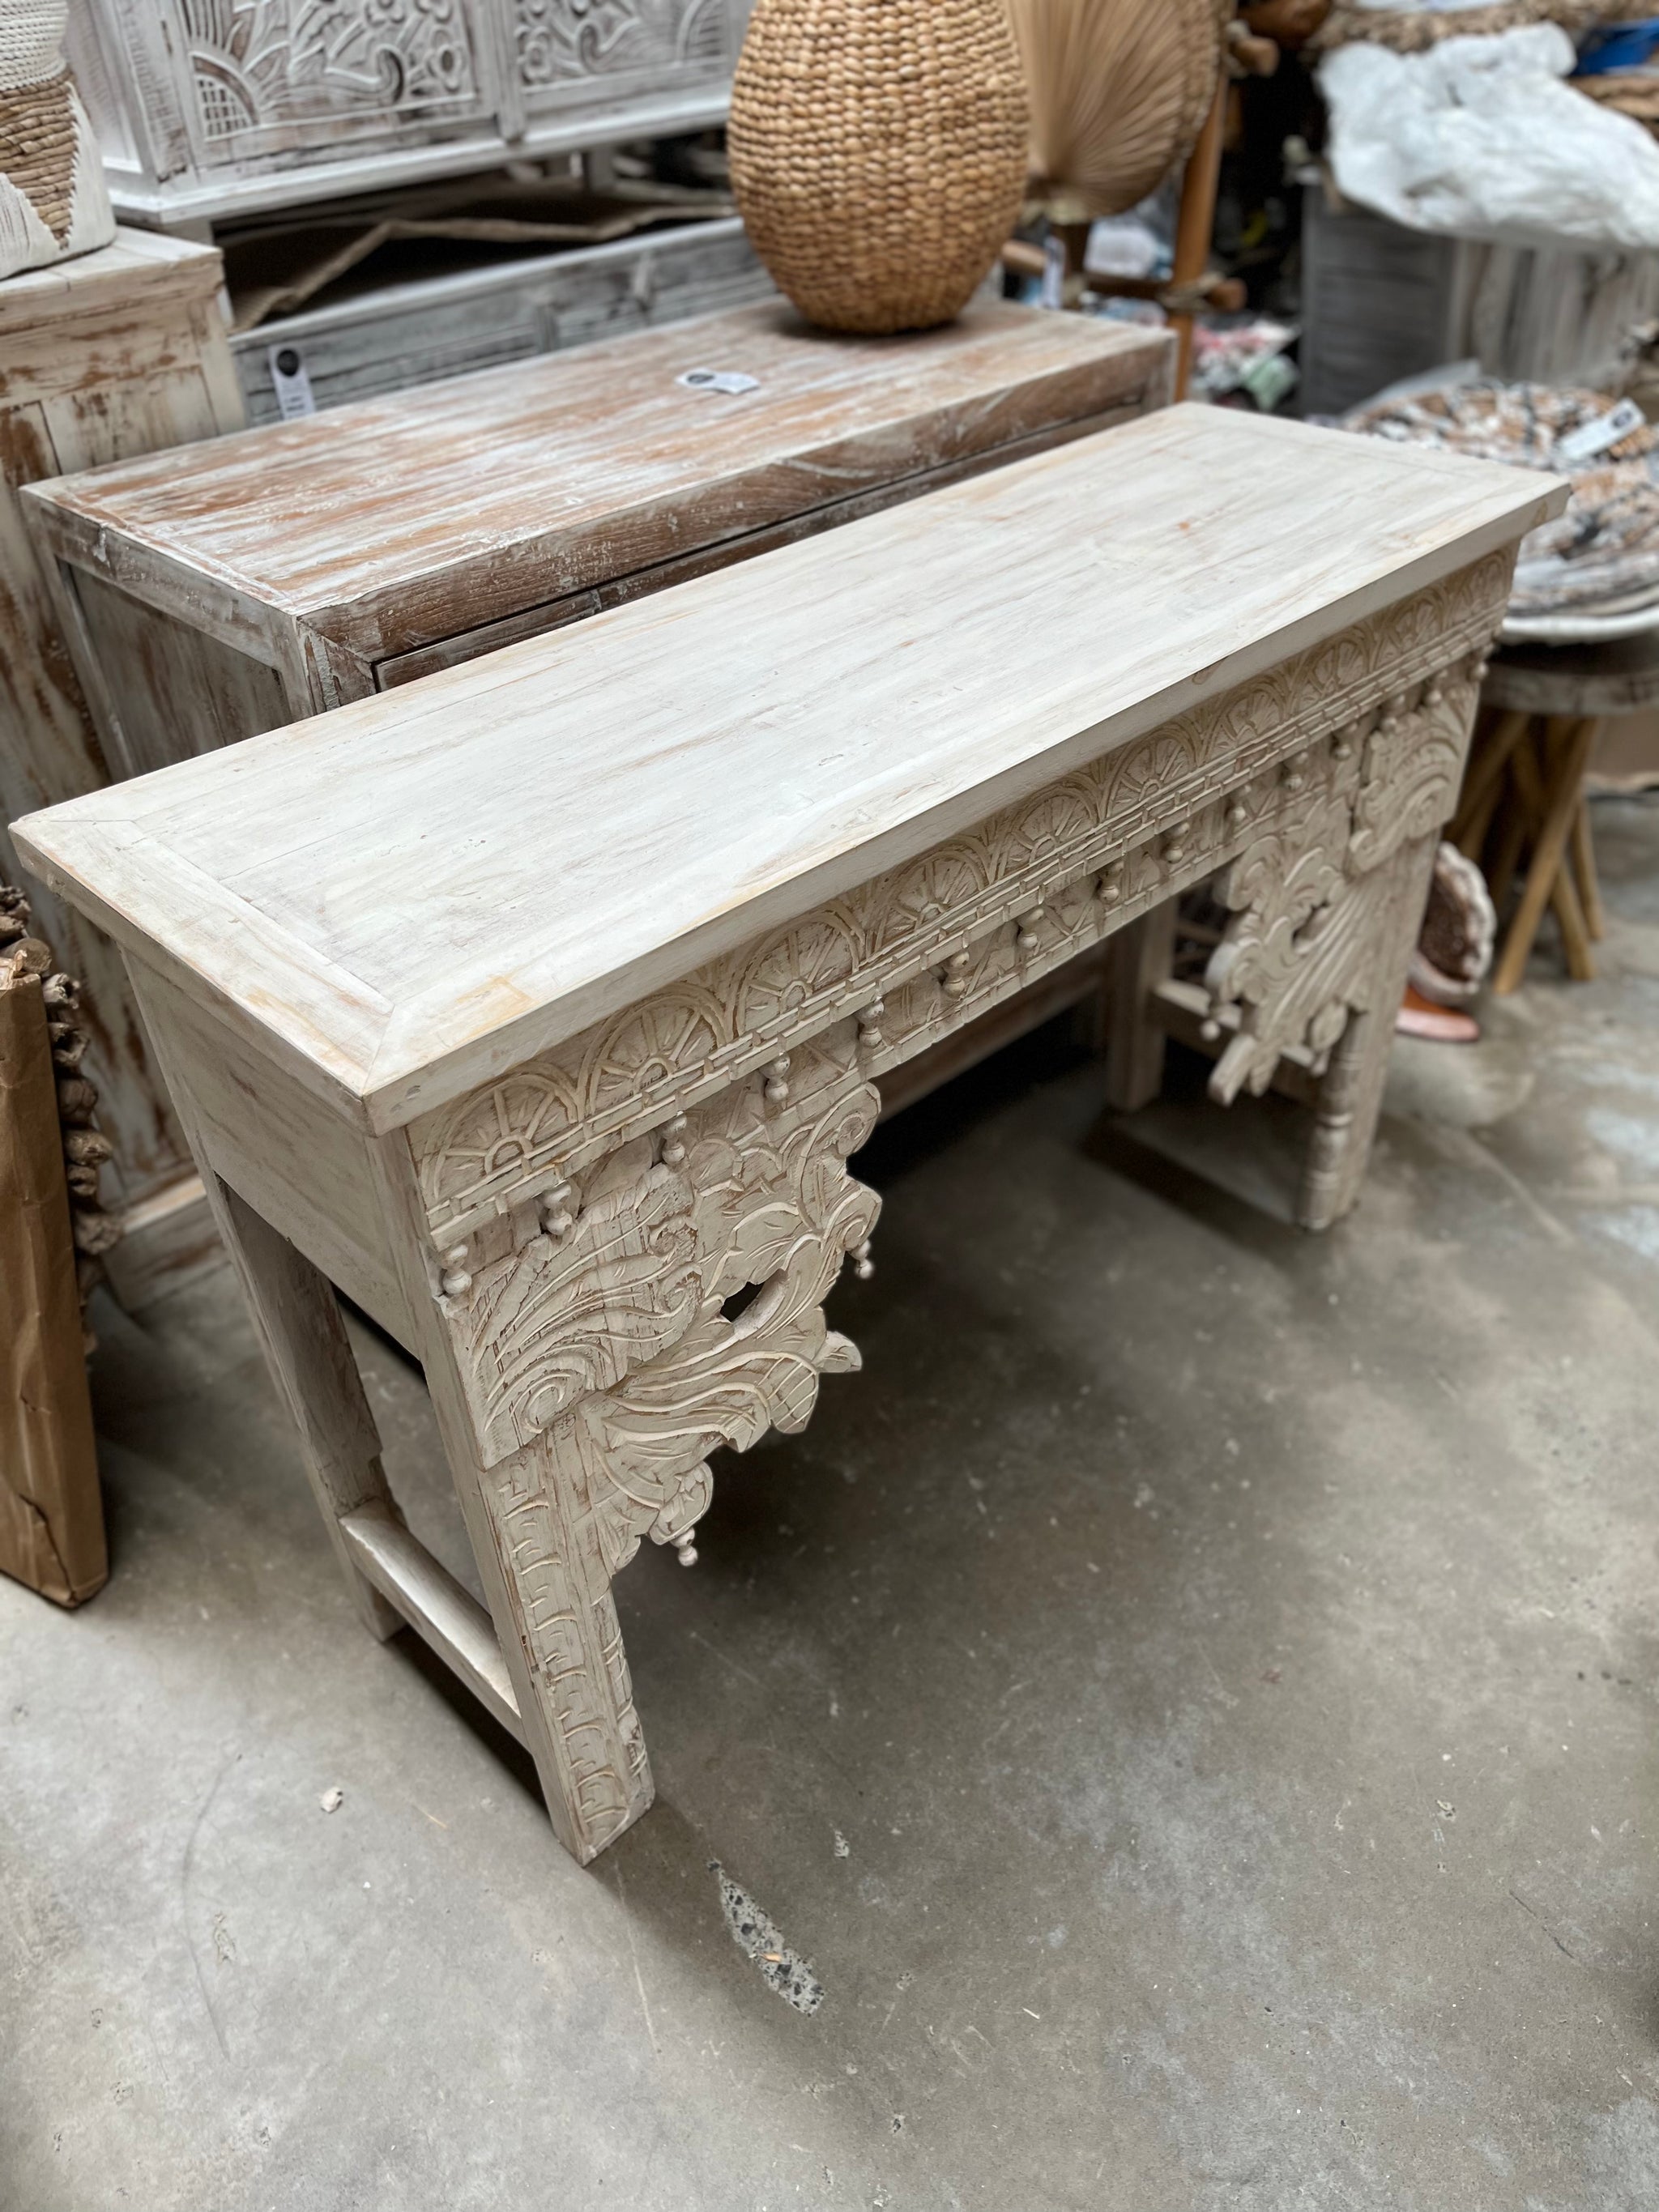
641,1277
553,1321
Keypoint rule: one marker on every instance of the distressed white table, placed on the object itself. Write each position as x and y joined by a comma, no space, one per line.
540,1005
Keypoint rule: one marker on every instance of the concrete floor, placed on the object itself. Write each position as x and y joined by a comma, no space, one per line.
1192,1701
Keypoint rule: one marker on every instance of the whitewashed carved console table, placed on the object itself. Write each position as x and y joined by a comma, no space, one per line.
540,1005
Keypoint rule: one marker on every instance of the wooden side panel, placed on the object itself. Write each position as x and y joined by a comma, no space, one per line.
52,1519
293,1160
122,352
171,690
49,751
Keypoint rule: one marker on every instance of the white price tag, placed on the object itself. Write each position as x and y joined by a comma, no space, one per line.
1590,439
718,379
1054,273
290,382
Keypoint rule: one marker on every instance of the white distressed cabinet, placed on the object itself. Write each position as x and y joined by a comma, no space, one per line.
209,108
113,353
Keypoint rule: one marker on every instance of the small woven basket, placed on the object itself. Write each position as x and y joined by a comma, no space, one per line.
878,151
1120,89
53,201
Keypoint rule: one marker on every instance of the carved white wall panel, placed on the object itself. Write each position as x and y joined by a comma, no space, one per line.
311,66
205,106
560,42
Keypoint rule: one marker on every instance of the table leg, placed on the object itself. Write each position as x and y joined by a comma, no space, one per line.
1141,957
540,1557
588,1354
297,1319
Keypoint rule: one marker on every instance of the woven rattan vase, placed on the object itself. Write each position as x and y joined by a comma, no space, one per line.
53,200
878,151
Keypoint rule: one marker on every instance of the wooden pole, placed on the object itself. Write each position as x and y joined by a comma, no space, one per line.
1197,219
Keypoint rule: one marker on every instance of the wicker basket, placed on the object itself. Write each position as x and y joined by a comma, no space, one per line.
878,151
1120,89
53,200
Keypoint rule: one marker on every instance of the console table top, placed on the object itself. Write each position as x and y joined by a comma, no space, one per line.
391,522
403,897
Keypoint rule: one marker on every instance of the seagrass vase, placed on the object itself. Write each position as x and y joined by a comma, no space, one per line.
878,151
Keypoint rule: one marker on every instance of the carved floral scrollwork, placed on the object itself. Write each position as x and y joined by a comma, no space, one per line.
561,41
682,1308
1314,894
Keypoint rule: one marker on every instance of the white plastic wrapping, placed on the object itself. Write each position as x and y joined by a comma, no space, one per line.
1481,138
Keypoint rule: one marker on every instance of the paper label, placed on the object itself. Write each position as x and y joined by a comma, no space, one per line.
1590,439
1054,273
291,382
718,379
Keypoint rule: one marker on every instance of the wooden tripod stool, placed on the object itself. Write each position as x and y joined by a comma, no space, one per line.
1523,797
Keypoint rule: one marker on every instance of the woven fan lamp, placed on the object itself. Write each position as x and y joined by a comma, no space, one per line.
53,200
877,151
1120,90
1123,92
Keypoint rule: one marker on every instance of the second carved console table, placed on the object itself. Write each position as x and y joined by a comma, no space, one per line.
540,1005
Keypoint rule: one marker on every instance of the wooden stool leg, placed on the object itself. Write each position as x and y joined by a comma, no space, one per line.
1141,957
1575,931
1485,779
1583,867
1569,750
1564,897
1515,823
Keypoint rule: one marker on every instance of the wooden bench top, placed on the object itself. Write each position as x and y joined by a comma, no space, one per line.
405,897
393,522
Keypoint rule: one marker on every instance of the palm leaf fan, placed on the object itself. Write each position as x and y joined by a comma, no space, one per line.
1119,90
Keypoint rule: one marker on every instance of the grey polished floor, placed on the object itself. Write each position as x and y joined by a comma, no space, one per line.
1191,1701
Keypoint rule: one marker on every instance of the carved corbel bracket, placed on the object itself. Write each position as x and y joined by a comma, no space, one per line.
1311,896
671,1299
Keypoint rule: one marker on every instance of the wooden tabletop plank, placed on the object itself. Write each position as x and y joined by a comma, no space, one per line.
393,522
415,891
